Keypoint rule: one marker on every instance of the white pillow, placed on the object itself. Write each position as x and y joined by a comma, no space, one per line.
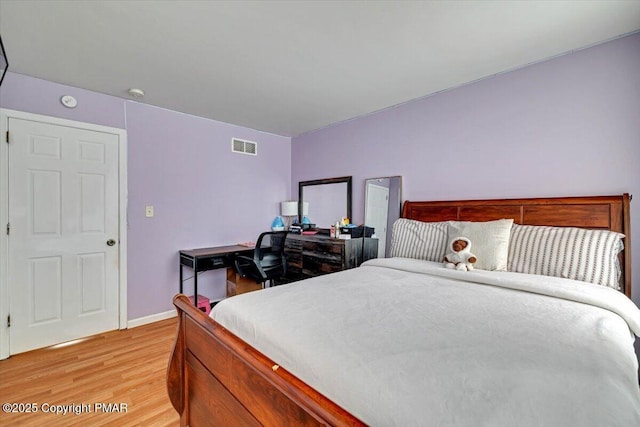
489,241
420,240
574,253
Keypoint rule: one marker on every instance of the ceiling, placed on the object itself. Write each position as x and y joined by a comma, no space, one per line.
289,67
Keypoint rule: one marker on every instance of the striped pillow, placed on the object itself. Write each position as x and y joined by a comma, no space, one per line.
420,240
573,253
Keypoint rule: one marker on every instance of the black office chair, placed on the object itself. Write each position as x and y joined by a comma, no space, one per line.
268,262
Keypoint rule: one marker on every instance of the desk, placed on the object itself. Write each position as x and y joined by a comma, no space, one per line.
307,256
204,259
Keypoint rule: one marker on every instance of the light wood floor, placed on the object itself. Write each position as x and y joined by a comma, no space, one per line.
124,367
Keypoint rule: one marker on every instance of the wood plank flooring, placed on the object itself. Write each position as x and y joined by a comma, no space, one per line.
127,368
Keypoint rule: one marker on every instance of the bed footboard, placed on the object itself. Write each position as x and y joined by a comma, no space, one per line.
215,378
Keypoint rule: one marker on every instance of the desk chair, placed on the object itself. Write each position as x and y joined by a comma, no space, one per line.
268,261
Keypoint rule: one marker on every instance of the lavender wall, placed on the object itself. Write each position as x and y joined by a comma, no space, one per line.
203,194
569,126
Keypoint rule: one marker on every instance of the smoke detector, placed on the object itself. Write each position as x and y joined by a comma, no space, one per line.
136,93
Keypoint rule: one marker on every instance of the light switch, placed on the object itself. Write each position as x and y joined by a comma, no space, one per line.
149,211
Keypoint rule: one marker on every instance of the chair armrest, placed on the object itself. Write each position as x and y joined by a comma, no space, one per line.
245,266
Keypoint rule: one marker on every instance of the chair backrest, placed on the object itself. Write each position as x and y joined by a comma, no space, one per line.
275,246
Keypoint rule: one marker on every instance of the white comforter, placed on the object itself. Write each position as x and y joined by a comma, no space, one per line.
401,342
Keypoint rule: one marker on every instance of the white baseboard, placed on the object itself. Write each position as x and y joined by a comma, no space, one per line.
134,323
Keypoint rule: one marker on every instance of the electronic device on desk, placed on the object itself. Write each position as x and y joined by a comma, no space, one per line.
299,228
357,231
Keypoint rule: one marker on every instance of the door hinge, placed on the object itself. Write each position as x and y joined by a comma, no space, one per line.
8,321
7,137
8,228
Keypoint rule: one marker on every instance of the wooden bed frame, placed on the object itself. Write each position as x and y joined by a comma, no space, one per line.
215,378
600,212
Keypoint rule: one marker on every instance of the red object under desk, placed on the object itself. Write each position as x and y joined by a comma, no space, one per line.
203,303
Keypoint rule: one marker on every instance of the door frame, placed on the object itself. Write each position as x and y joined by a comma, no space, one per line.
5,115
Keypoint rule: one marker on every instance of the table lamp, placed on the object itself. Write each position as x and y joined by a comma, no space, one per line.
288,210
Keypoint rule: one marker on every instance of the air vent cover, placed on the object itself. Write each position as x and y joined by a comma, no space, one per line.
244,147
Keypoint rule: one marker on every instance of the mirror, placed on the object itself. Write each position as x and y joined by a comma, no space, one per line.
382,204
329,200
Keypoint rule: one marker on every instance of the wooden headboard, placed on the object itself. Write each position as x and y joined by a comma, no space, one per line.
598,212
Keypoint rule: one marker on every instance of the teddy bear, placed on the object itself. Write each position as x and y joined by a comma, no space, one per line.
460,257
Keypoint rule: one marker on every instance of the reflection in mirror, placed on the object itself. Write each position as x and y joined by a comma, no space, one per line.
329,200
383,198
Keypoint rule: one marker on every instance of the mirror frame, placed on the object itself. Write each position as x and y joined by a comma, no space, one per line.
302,184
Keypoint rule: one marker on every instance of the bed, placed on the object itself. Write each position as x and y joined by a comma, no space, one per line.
489,348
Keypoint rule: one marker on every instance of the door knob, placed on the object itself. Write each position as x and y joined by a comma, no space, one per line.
111,242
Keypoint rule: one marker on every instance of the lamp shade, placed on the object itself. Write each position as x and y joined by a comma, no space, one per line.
289,208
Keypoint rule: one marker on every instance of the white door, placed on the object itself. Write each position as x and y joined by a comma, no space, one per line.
376,214
63,240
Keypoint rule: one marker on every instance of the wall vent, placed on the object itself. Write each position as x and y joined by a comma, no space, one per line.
244,147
